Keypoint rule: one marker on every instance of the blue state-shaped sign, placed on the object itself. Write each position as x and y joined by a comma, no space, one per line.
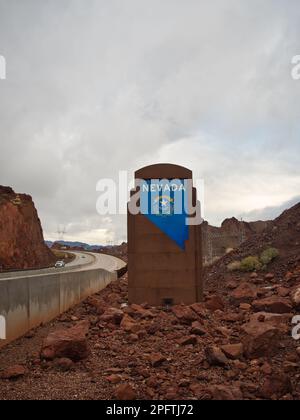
164,203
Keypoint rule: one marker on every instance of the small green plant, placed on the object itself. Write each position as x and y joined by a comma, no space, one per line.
251,264
234,266
269,255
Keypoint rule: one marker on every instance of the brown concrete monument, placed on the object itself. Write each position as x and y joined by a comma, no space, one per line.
164,237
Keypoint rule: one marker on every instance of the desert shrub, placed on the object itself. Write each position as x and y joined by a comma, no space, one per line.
234,266
269,255
250,264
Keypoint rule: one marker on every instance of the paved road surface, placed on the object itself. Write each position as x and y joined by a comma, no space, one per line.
83,261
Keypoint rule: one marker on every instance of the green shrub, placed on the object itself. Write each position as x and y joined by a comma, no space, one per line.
251,264
269,255
234,266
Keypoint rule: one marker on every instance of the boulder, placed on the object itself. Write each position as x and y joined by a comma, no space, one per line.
142,312
190,340
114,379
215,303
225,393
68,343
276,386
129,325
277,320
260,339
184,314
233,351
200,309
13,372
198,329
157,359
273,304
245,293
215,356
64,364
112,315
296,298
125,392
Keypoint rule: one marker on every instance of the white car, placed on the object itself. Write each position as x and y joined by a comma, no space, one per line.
60,264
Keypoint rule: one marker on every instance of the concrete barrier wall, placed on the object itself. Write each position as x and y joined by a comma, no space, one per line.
27,302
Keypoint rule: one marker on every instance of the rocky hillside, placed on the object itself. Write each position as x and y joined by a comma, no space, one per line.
232,233
21,237
283,234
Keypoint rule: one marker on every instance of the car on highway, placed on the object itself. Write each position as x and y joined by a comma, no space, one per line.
60,264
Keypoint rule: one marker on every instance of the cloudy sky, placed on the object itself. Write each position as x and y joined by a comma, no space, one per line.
98,86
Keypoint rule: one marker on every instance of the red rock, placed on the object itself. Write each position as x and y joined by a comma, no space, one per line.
215,356
133,338
128,324
186,341
240,365
184,314
269,276
261,339
22,243
296,298
225,393
99,305
245,307
112,315
233,351
172,394
266,369
233,317
69,343
125,392
64,364
289,276
114,379
245,293
277,386
157,359
283,291
153,328
274,319
200,309
274,304
152,382
231,285
215,303
198,329
13,372
144,313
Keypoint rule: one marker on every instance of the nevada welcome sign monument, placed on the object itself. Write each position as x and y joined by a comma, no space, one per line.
164,237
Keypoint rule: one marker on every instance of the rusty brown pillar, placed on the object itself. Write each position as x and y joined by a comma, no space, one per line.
159,271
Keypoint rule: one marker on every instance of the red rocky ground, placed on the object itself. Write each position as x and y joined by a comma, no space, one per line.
236,345
233,348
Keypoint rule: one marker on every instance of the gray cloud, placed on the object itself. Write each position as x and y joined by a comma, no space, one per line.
95,86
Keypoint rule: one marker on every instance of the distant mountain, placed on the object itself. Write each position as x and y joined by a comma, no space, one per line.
70,244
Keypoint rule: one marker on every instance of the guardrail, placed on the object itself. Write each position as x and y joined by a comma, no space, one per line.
28,301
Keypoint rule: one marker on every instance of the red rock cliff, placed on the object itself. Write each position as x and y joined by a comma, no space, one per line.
21,237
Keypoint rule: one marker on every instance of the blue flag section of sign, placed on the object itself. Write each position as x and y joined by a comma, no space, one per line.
164,203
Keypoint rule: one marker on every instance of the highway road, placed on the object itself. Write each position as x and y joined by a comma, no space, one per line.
83,261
